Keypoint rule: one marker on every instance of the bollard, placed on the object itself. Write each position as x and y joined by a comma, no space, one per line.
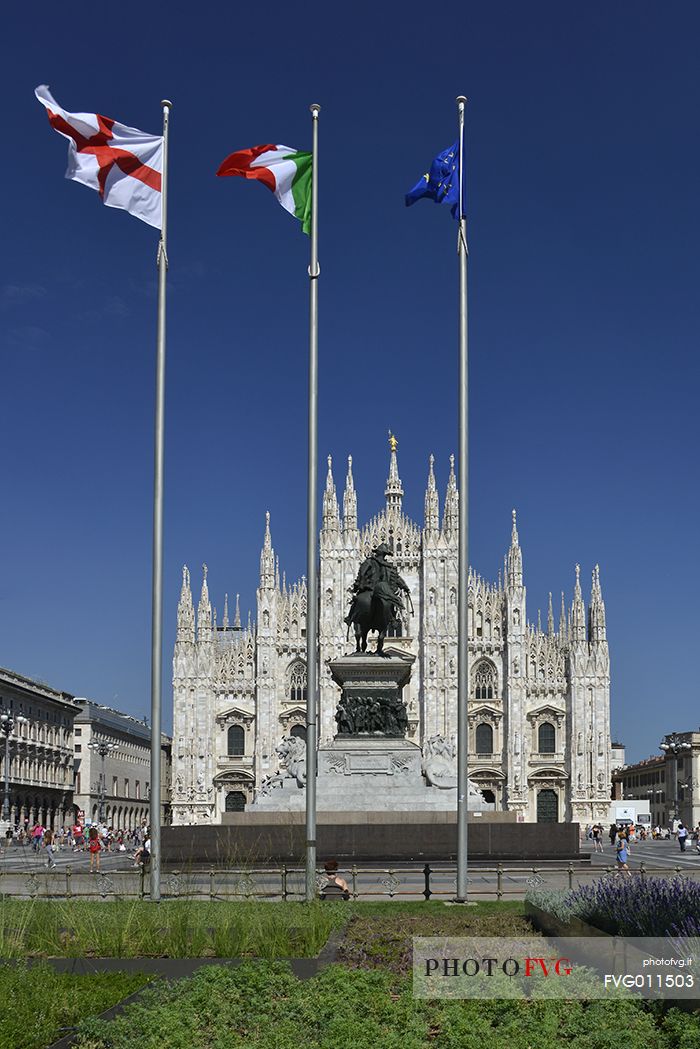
69,883
571,875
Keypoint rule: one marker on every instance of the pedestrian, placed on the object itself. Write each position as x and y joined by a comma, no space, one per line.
37,835
622,850
682,836
94,848
597,837
49,846
612,833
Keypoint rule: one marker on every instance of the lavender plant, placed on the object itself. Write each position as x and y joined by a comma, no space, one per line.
630,906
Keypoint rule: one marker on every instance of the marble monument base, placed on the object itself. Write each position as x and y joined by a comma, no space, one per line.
365,774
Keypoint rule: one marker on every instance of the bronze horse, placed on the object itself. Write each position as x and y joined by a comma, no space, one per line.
371,611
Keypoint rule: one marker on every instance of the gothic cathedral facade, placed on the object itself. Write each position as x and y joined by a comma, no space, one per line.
539,699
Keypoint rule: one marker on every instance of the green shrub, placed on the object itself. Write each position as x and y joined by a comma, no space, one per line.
36,1002
261,1005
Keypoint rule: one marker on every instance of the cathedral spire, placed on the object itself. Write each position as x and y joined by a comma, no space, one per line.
432,504
185,609
596,611
515,557
277,573
331,517
578,611
204,623
267,558
450,519
394,489
224,621
550,617
562,618
237,615
349,501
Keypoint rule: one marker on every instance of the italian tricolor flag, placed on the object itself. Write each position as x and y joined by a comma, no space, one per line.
284,170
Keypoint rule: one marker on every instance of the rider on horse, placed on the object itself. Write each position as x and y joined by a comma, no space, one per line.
380,579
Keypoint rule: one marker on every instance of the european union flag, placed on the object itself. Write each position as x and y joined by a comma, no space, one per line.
441,183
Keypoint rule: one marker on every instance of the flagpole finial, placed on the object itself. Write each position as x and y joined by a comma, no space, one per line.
315,110
166,103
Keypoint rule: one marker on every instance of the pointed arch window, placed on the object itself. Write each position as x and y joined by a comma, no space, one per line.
297,683
484,681
479,624
546,738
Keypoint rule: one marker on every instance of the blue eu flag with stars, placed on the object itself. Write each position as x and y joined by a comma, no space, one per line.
441,183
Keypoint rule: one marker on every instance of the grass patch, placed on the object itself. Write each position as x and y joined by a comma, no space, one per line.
191,928
384,941
36,1002
262,1006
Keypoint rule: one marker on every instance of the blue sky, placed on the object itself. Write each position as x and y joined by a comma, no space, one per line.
583,152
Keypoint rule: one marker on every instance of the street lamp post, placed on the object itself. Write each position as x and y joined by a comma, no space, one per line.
7,727
675,745
103,748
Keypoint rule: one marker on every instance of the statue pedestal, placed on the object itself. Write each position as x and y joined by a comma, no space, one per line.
373,769
371,693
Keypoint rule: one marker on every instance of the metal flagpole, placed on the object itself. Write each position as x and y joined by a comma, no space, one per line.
157,591
311,533
463,562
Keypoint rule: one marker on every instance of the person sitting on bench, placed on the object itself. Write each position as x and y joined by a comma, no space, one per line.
335,886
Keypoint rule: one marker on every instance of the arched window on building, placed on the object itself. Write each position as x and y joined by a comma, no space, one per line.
546,738
236,741
395,628
479,624
484,681
484,739
235,801
299,731
297,683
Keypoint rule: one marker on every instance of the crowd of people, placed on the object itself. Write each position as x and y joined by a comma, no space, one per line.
94,839
624,835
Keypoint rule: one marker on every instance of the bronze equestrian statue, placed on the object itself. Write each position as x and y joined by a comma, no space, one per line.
376,599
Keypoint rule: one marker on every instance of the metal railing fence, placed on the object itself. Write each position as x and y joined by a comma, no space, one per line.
287,882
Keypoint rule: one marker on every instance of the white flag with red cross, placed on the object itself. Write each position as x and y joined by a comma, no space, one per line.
123,164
